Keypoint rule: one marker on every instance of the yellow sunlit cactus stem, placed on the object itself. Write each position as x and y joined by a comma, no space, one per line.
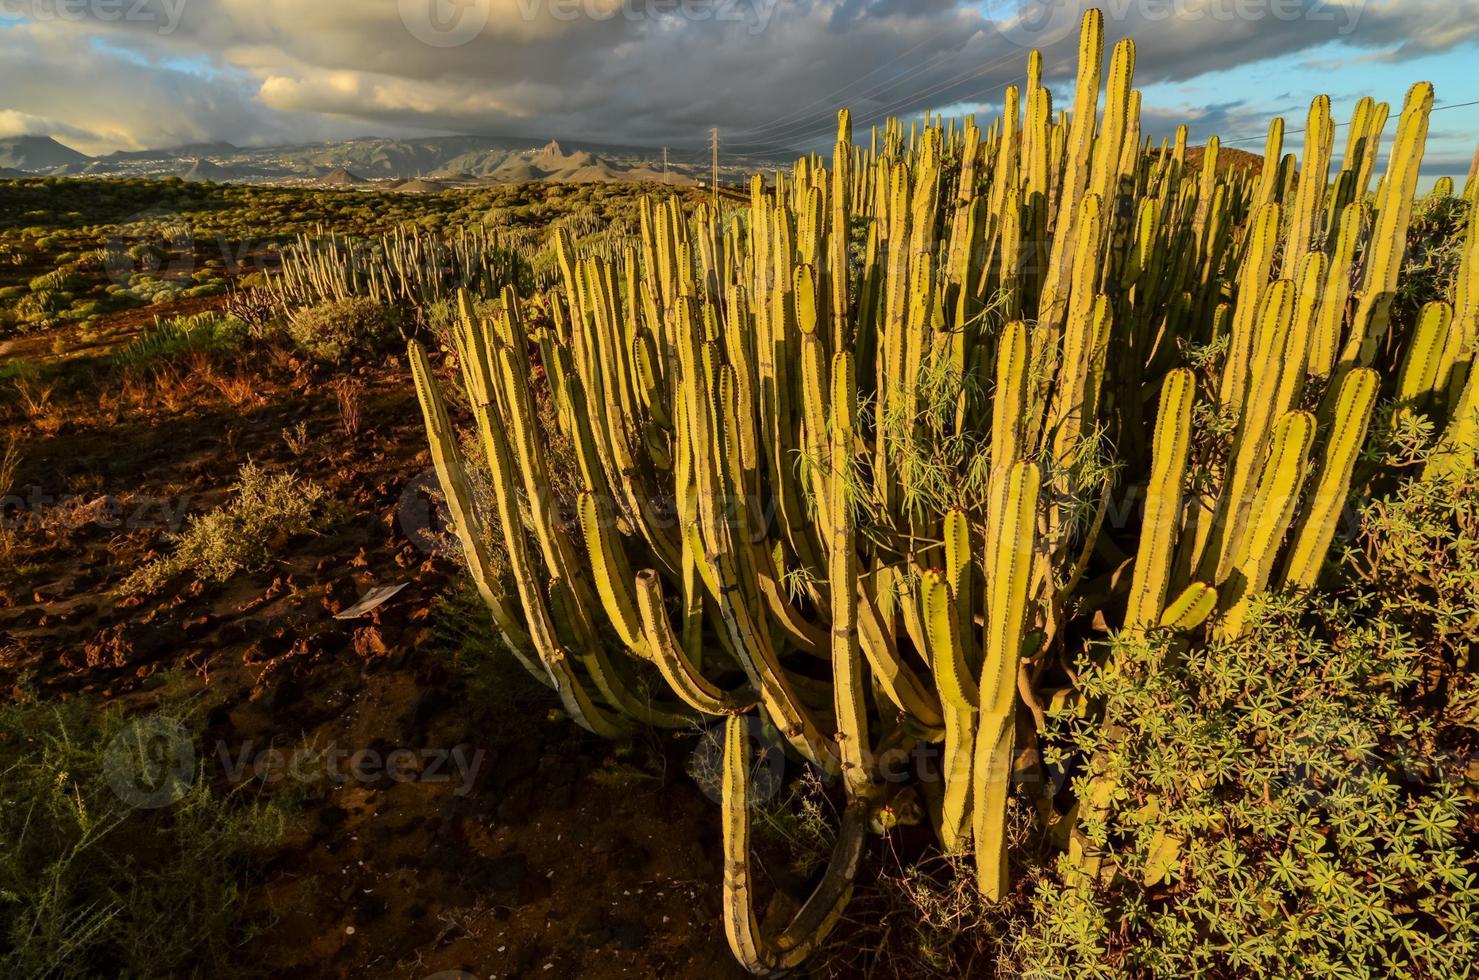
1014,518
1152,573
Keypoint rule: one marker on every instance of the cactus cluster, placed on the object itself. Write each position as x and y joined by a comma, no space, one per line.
404,267
874,456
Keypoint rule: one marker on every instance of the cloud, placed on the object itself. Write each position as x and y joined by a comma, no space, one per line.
769,73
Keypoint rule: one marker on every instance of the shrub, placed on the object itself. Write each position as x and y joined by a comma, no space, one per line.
331,331
37,307
92,884
1294,803
241,535
57,279
181,335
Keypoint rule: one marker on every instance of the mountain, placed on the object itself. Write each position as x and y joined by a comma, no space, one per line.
36,154
340,177
219,148
371,162
202,170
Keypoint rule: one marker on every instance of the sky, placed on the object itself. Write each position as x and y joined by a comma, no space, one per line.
101,75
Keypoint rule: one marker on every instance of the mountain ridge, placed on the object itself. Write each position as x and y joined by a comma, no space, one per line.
453,160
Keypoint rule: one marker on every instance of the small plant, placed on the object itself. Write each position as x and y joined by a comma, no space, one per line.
349,393
241,535
180,336
296,438
335,330
10,461
118,864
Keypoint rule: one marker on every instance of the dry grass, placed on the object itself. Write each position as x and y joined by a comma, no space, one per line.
349,393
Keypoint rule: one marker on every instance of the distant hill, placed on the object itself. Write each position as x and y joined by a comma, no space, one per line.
220,148
441,162
340,177
38,153
202,170
1228,158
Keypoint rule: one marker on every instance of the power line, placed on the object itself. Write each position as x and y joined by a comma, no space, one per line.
895,107
1296,132
778,129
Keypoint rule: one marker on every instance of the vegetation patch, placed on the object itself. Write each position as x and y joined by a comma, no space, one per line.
117,858
243,534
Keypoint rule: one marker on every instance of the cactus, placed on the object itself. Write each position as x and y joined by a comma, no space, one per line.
846,452
1162,501
1352,417
1272,510
1014,531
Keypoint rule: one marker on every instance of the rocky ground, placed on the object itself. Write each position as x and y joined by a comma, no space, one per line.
447,816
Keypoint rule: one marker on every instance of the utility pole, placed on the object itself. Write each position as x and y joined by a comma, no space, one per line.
665,161
714,146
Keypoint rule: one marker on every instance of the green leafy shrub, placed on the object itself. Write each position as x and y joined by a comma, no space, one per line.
1297,802
57,279
265,510
93,884
38,307
208,331
332,331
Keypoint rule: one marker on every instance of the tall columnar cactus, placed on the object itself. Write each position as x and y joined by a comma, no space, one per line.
1013,521
858,459
1152,573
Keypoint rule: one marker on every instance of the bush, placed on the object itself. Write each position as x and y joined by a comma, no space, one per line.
37,307
57,279
94,884
1294,803
241,535
332,331
210,332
